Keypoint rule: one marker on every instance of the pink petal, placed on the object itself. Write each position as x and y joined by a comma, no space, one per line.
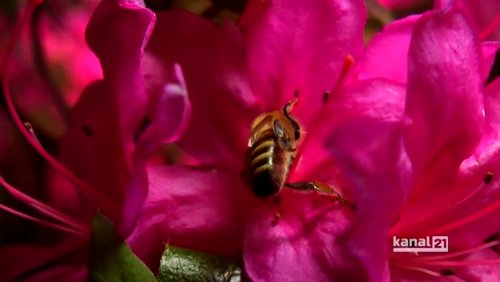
485,15
445,114
368,147
445,103
387,53
100,140
117,34
300,46
492,106
363,145
472,202
66,46
93,148
377,99
170,112
201,209
367,144
305,245
212,60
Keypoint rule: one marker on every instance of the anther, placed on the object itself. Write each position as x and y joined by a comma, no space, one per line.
447,272
346,67
276,219
87,130
493,237
30,129
488,177
276,200
326,96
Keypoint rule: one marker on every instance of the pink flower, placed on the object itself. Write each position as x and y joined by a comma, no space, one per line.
96,155
385,158
451,136
235,73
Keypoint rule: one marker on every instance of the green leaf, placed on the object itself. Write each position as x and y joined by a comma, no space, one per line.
111,259
179,264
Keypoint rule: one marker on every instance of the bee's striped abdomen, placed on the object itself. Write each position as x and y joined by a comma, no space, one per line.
262,163
271,151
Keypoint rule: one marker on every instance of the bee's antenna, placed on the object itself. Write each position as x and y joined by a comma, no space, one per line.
288,107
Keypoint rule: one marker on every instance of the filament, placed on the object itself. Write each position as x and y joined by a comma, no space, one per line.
460,263
464,220
490,29
44,222
464,252
468,219
420,269
30,129
318,118
43,208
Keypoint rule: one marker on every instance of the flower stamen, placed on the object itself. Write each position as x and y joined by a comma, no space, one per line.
43,222
445,228
462,253
468,219
488,178
346,67
43,208
420,269
459,263
491,28
30,129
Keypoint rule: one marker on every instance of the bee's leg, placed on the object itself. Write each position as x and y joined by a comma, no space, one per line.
320,187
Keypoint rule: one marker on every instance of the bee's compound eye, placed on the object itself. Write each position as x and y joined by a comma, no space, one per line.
296,128
278,129
297,134
281,135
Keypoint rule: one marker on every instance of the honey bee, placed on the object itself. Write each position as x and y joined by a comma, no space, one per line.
272,148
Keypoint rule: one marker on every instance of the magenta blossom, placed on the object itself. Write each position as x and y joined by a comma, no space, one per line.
96,155
451,136
452,140
233,74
